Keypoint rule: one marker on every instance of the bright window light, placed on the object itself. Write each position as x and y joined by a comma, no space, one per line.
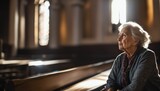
44,24
118,11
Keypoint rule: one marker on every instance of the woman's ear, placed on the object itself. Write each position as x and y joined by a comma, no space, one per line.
136,41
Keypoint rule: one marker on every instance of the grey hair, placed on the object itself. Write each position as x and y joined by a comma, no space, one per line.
137,32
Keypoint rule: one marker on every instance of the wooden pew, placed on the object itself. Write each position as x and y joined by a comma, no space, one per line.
56,80
95,83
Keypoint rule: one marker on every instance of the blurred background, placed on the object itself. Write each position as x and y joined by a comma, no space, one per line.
44,38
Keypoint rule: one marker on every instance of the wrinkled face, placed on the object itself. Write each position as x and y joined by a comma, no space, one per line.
125,40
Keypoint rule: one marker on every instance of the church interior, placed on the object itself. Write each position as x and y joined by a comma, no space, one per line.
67,45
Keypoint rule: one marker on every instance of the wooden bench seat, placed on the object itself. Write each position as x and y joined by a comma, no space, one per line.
55,80
90,84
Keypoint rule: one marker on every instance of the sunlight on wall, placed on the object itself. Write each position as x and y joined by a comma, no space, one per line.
47,62
118,11
63,29
150,12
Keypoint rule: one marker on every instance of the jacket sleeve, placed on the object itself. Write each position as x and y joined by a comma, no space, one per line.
112,78
144,70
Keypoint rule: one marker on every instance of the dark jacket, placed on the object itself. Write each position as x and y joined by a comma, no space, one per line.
143,73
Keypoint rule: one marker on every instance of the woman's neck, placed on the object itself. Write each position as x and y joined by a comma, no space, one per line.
130,51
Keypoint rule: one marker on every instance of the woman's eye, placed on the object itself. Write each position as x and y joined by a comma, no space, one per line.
124,35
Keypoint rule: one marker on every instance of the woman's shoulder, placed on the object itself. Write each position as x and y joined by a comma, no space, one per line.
147,51
120,56
147,55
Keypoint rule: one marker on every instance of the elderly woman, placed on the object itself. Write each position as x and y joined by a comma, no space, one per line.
135,69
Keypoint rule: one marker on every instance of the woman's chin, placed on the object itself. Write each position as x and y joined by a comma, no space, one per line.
121,48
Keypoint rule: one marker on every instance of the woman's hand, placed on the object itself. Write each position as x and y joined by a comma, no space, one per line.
110,89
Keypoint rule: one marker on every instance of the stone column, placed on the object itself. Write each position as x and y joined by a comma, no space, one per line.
74,20
21,39
102,20
13,26
1,44
159,5
31,25
54,24
156,21
137,12
98,20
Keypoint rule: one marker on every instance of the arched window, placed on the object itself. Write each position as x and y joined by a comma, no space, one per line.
118,11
